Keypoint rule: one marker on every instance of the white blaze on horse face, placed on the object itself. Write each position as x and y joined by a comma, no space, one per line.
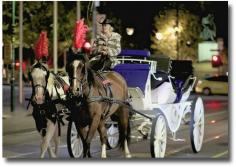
39,82
75,64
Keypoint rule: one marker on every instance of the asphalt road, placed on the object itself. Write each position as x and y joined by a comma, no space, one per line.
25,144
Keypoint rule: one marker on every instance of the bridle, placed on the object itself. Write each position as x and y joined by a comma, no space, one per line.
45,93
82,81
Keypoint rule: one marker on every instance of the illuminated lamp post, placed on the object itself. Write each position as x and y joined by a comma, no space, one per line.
130,31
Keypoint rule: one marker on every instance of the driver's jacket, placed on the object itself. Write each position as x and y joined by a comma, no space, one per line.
112,43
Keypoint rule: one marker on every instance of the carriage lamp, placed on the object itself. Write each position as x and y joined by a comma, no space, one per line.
17,64
87,46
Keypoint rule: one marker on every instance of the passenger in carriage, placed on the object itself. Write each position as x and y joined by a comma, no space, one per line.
105,47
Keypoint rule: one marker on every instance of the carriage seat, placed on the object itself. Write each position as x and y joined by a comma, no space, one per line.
158,79
135,74
182,71
134,53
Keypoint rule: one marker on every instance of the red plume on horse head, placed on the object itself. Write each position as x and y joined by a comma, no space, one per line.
41,46
80,34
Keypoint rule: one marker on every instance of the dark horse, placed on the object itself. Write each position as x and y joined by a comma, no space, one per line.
91,110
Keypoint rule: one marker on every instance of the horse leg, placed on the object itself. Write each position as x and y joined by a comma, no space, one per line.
126,149
46,140
56,140
83,133
50,151
124,130
92,129
103,138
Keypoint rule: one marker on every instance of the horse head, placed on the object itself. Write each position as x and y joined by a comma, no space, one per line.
39,78
77,69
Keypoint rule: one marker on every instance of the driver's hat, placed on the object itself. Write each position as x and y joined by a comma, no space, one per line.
107,21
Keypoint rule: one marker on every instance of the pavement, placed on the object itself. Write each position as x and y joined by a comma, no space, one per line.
20,120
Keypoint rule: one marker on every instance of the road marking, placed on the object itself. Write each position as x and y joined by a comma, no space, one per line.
220,154
186,147
23,154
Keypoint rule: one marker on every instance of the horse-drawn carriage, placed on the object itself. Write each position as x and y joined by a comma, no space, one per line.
162,98
95,101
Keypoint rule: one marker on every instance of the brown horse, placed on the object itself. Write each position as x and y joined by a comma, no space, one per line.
88,92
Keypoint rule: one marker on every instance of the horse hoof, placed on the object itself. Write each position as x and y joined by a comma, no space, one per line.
128,156
53,156
103,156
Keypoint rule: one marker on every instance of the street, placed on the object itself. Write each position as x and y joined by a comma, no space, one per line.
143,58
25,142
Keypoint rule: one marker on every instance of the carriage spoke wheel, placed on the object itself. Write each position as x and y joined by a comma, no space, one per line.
112,136
158,138
74,142
197,124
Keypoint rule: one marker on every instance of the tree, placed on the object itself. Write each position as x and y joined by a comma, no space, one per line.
169,38
38,16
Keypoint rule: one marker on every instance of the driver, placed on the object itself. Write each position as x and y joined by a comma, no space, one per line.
107,46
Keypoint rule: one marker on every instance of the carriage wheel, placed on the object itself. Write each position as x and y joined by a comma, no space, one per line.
74,142
158,136
197,124
112,136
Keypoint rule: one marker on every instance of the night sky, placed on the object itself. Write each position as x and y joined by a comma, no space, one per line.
140,15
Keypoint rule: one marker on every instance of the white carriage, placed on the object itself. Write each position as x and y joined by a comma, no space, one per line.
168,100
166,106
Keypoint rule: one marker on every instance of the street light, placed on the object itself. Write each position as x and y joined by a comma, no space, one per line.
176,29
171,30
159,36
130,31
188,43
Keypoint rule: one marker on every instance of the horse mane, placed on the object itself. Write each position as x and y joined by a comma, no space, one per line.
90,75
51,80
39,65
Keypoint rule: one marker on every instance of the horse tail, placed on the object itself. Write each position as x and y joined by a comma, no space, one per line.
124,133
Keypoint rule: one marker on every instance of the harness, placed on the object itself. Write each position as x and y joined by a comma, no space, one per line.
47,110
108,98
107,87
